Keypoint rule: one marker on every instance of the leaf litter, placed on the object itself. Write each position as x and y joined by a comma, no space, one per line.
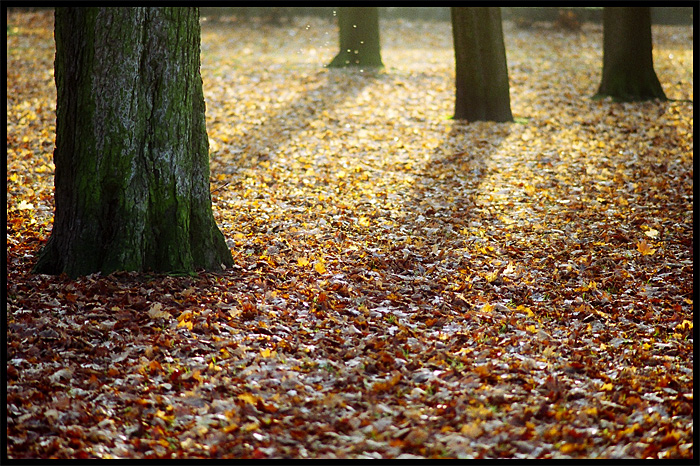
404,286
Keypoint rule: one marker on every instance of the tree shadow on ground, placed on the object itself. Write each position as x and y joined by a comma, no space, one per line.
320,93
452,177
427,247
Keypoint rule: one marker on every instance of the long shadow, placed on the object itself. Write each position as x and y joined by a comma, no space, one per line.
321,92
428,245
451,178
443,200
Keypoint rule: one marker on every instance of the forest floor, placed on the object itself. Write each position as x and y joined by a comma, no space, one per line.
405,285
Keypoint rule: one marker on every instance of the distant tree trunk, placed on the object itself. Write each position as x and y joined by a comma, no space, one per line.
628,65
482,88
131,156
359,38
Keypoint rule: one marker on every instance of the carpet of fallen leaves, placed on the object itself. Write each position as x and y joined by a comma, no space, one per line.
405,285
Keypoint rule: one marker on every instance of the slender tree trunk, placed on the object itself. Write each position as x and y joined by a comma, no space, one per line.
359,38
482,88
131,156
628,65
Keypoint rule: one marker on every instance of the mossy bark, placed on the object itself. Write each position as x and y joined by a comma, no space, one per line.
359,38
482,87
628,64
131,156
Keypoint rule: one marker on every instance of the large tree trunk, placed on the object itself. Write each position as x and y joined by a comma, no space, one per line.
628,65
482,88
131,156
359,38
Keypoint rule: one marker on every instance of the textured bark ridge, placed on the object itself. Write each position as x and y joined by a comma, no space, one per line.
131,156
482,87
628,64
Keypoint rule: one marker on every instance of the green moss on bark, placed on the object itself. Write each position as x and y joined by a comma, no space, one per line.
132,150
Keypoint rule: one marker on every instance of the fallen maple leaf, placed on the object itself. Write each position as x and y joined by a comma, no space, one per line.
319,267
645,248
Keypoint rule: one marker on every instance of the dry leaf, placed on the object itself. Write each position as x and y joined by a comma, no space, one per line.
319,267
645,248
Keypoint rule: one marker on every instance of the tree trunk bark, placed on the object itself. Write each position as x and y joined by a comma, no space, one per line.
482,88
628,65
131,155
359,38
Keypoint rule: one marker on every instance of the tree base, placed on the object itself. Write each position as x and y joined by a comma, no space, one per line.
630,98
631,87
346,59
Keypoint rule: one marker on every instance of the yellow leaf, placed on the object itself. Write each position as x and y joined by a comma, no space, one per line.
473,429
651,233
531,329
185,323
607,387
248,398
251,426
319,267
164,416
266,353
303,261
363,221
568,448
645,248
230,428
685,323
486,307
